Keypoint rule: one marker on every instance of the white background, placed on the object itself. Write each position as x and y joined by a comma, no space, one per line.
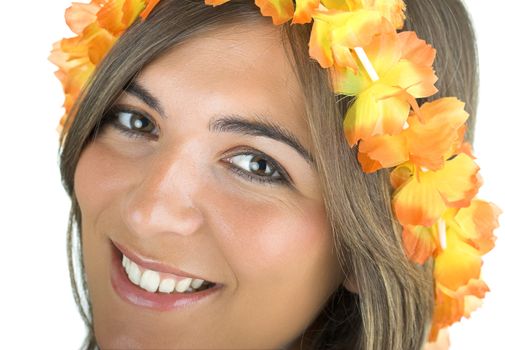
36,305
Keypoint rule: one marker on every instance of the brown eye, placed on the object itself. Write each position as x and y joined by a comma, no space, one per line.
256,164
135,122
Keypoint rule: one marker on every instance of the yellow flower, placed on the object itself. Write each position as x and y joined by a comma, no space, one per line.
434,133
457,242
403,64
342,25
334,33
423,195
450,306
305,10
392,10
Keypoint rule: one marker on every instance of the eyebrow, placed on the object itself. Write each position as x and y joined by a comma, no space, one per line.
137,90
260,126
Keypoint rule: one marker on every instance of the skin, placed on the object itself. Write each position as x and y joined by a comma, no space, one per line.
173,198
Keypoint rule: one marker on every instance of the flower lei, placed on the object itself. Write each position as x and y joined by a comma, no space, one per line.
434,175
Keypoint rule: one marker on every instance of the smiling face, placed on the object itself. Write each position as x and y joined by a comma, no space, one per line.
203,166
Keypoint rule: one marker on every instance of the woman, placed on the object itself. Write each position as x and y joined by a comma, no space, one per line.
216,203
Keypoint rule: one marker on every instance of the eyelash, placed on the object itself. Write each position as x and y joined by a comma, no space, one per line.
111,118
283,178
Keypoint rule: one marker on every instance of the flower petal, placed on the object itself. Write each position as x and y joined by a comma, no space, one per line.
392,10
477,223
457,182
434,139
456,265
422,199
368,164
131,10
387,150
110,17
215,3
376,111
418,202
417,80
416,50
149,8
418,243
280,10
400,175
78,16
451,306
304,11
335,33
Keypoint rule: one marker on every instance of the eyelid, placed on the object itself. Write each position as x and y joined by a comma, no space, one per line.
278,167
112,117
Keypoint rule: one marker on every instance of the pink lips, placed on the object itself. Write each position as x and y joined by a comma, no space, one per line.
157,301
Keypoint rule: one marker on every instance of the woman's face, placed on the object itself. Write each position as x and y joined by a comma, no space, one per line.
196,173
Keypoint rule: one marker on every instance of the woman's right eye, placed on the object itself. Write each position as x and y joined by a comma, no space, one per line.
131,123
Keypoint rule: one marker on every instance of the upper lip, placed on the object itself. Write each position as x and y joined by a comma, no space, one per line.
152,264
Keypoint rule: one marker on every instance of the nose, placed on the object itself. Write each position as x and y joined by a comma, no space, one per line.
162,199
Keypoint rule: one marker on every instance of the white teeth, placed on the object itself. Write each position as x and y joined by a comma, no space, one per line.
182,285
134,273
150,280
197,283
167,285
126,262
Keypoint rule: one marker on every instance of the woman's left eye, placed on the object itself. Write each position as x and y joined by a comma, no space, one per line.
258,168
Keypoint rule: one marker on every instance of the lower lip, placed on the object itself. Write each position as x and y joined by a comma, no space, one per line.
157,301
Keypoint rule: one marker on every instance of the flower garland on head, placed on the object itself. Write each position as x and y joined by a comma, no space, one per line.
97,25
433,172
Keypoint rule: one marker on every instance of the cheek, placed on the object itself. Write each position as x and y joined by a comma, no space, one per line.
99,180
281,253
271,235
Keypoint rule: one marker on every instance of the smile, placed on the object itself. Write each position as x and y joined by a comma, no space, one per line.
154,281
153,285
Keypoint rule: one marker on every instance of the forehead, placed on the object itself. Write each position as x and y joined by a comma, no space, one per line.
239,69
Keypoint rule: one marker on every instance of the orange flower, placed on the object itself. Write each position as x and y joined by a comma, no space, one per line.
425,143
451,306
403,64
472,225
392,10
425,195
79,16
457,241
305,10
476,224
281,11
457,264
342,25
335,33
97,25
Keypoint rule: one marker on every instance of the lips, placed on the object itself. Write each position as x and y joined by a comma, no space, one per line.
155,299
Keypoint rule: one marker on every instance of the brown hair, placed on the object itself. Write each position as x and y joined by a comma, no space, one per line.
394,306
